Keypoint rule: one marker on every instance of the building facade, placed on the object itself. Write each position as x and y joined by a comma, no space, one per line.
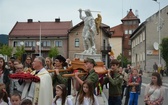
122,33
145,39
29,34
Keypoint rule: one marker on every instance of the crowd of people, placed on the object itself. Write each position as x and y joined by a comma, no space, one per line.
55,89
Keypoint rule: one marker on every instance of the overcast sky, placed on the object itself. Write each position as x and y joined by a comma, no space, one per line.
112,11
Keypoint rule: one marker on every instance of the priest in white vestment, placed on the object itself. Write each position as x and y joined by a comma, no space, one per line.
39,92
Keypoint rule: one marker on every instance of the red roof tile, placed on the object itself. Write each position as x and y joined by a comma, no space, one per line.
117,31
130,16
47,28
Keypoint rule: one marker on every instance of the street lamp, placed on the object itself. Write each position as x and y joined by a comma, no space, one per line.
159,28
21,43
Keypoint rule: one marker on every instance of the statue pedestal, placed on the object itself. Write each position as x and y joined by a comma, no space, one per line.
96,57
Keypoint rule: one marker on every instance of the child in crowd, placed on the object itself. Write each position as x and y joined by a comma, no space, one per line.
15,99
134,82
2,93
61,96
26,102
86,95
154,92
17,85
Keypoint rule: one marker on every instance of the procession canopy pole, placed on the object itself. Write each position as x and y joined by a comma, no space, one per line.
61,70
72,75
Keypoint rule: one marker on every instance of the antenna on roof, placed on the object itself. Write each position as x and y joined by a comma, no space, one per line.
122,8
136,13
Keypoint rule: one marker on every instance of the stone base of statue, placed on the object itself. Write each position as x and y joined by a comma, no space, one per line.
81,56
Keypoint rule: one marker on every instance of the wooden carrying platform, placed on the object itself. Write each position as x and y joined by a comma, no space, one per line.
99,68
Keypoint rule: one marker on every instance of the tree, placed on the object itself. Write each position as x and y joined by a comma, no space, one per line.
20,50
164,50
124,61
53,52
6,50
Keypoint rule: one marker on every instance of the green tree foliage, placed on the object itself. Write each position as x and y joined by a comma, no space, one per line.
6,50
53,52
164,50
1,45
20,50
124,61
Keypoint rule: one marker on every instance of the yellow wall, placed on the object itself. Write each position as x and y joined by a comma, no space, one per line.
116,45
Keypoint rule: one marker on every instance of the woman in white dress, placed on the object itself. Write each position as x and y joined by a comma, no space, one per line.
61,97
154,91
86,95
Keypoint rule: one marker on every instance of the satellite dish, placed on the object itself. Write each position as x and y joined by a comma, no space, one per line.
156,45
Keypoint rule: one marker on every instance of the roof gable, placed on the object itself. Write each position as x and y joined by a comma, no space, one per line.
117,31
130,16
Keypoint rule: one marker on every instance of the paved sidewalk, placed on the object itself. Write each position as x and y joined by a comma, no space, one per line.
164,78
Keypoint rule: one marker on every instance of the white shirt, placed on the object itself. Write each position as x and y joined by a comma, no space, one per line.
87,101
59,100
153,93
3,103
1,78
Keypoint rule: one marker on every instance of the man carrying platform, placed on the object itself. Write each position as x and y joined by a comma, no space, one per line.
91,76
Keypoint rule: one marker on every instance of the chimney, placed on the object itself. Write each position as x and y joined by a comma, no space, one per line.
29,20
57,20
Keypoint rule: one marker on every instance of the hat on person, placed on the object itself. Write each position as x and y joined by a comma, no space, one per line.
90,61
60,58
12,58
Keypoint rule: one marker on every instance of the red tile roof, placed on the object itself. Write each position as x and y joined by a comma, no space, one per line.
47,28
117,31
130,16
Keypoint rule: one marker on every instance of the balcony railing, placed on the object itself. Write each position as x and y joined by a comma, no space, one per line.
45,48
28,48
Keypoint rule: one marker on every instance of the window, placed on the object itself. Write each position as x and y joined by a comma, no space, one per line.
16,43
140,37
125,23
130,31
143,56
137,57
126,32
129,42
45,43
134,22
76,42
29,43
129,52
130,23
143,36
133,43
138,40
58,43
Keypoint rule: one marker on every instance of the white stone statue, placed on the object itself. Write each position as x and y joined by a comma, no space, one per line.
89,32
